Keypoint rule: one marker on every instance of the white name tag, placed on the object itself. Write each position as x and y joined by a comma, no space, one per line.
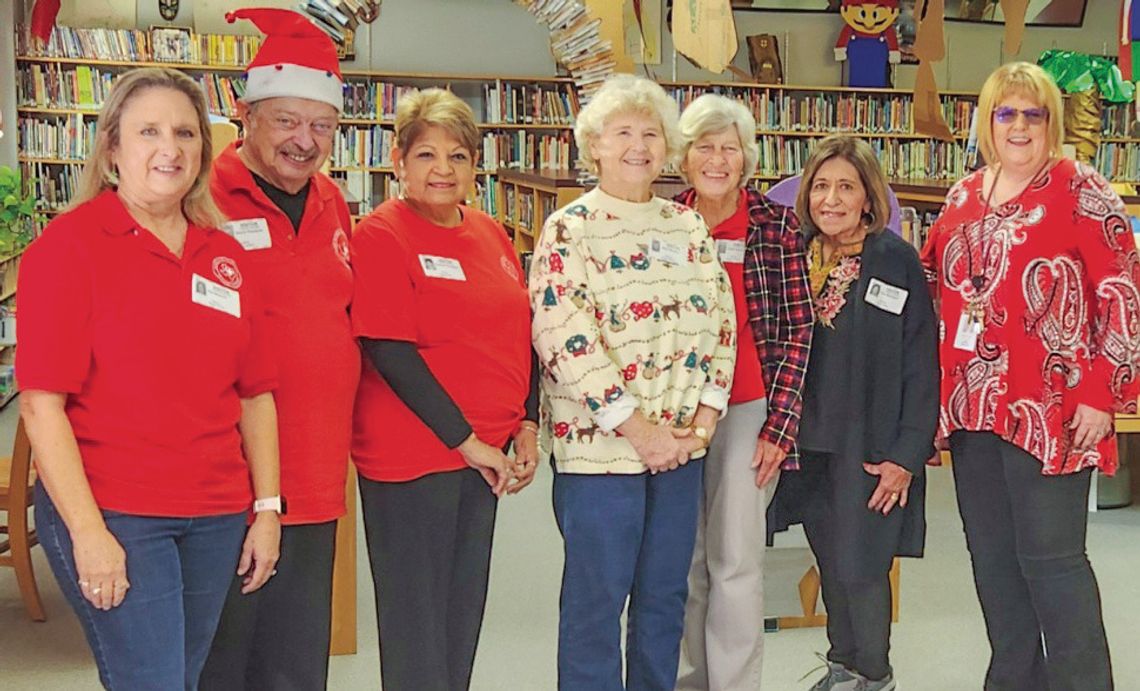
442,267
252,233
667,252
885,296
968,331
216,296
730,251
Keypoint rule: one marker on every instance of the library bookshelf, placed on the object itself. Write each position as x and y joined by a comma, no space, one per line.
525,122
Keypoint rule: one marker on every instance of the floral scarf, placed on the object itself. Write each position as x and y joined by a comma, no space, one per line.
831,280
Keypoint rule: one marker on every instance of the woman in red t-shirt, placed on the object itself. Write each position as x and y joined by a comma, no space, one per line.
442,313
1034,265
724,616
147,393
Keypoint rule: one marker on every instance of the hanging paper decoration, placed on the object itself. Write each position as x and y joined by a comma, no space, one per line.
1130,39
43,18
1087,79
168,9
575,40
868,43
1014,13
929,47
705,32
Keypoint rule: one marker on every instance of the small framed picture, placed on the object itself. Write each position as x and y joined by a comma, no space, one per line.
170,44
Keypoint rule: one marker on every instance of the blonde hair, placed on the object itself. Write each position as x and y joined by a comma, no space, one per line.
1022,79
860,155
99,171
418,110
710,113
625,93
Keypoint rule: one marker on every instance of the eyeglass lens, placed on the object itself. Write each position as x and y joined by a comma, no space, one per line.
1006,114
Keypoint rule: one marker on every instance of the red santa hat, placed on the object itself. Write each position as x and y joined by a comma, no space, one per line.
297,59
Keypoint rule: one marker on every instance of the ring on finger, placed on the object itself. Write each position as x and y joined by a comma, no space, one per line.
96,590
894,496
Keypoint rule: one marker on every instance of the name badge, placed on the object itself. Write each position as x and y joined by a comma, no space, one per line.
885,296
252,233
969,329
216,296
730,251
667,252
442,267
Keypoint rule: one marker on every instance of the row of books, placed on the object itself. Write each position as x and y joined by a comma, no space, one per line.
54,86
53,186
1119,120
369,100
69,137
778,110
159,44
1118,161
529,104
916,225
222,93
84,87
901,158
371,147
527,210
362,147
527,150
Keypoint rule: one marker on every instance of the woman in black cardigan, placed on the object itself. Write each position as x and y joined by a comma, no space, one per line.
870,408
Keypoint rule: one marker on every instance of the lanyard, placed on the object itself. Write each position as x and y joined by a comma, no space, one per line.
978,278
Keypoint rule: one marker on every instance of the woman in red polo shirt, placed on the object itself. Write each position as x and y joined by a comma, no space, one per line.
147,393
441,310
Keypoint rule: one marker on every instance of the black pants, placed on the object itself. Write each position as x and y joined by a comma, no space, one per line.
277,638
429,543
858,610
1026,535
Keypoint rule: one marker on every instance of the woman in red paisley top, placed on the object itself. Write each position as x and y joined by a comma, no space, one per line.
1034,266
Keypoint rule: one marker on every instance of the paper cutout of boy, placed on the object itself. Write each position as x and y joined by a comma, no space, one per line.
868,42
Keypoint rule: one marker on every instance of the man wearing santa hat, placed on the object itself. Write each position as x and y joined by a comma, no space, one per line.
294,224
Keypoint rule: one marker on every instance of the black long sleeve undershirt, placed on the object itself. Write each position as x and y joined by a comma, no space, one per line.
402,366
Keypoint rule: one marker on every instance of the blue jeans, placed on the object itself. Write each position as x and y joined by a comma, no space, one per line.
179,570
625,537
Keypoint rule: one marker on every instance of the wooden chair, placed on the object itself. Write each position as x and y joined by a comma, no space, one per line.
809,598
222,135
16,481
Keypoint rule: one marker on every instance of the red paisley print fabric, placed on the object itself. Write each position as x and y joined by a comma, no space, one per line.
1056,273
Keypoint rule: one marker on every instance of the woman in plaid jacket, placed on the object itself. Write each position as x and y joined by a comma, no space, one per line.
724,616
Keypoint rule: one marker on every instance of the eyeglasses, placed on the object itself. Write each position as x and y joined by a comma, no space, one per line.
287,123
1007,115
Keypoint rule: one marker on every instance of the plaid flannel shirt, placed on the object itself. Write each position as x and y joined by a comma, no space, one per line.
778,294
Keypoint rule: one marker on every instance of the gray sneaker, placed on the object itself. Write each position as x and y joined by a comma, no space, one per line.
836,678
862,683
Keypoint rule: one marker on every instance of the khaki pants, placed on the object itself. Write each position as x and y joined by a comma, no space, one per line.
723,643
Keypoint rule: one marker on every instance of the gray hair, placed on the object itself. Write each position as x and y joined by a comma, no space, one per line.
711,113
625,93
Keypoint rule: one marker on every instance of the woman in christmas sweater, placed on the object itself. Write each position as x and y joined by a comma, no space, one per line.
1035,269
634,323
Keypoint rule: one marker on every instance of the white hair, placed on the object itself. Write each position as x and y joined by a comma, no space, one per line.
711,113
625,93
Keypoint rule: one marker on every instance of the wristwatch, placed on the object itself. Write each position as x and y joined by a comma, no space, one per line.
276,503
702,434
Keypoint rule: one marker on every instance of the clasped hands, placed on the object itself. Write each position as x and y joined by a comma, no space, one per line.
664,447
501,473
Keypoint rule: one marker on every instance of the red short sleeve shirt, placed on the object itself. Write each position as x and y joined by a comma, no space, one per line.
459,295
748,379
307,287
154,351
